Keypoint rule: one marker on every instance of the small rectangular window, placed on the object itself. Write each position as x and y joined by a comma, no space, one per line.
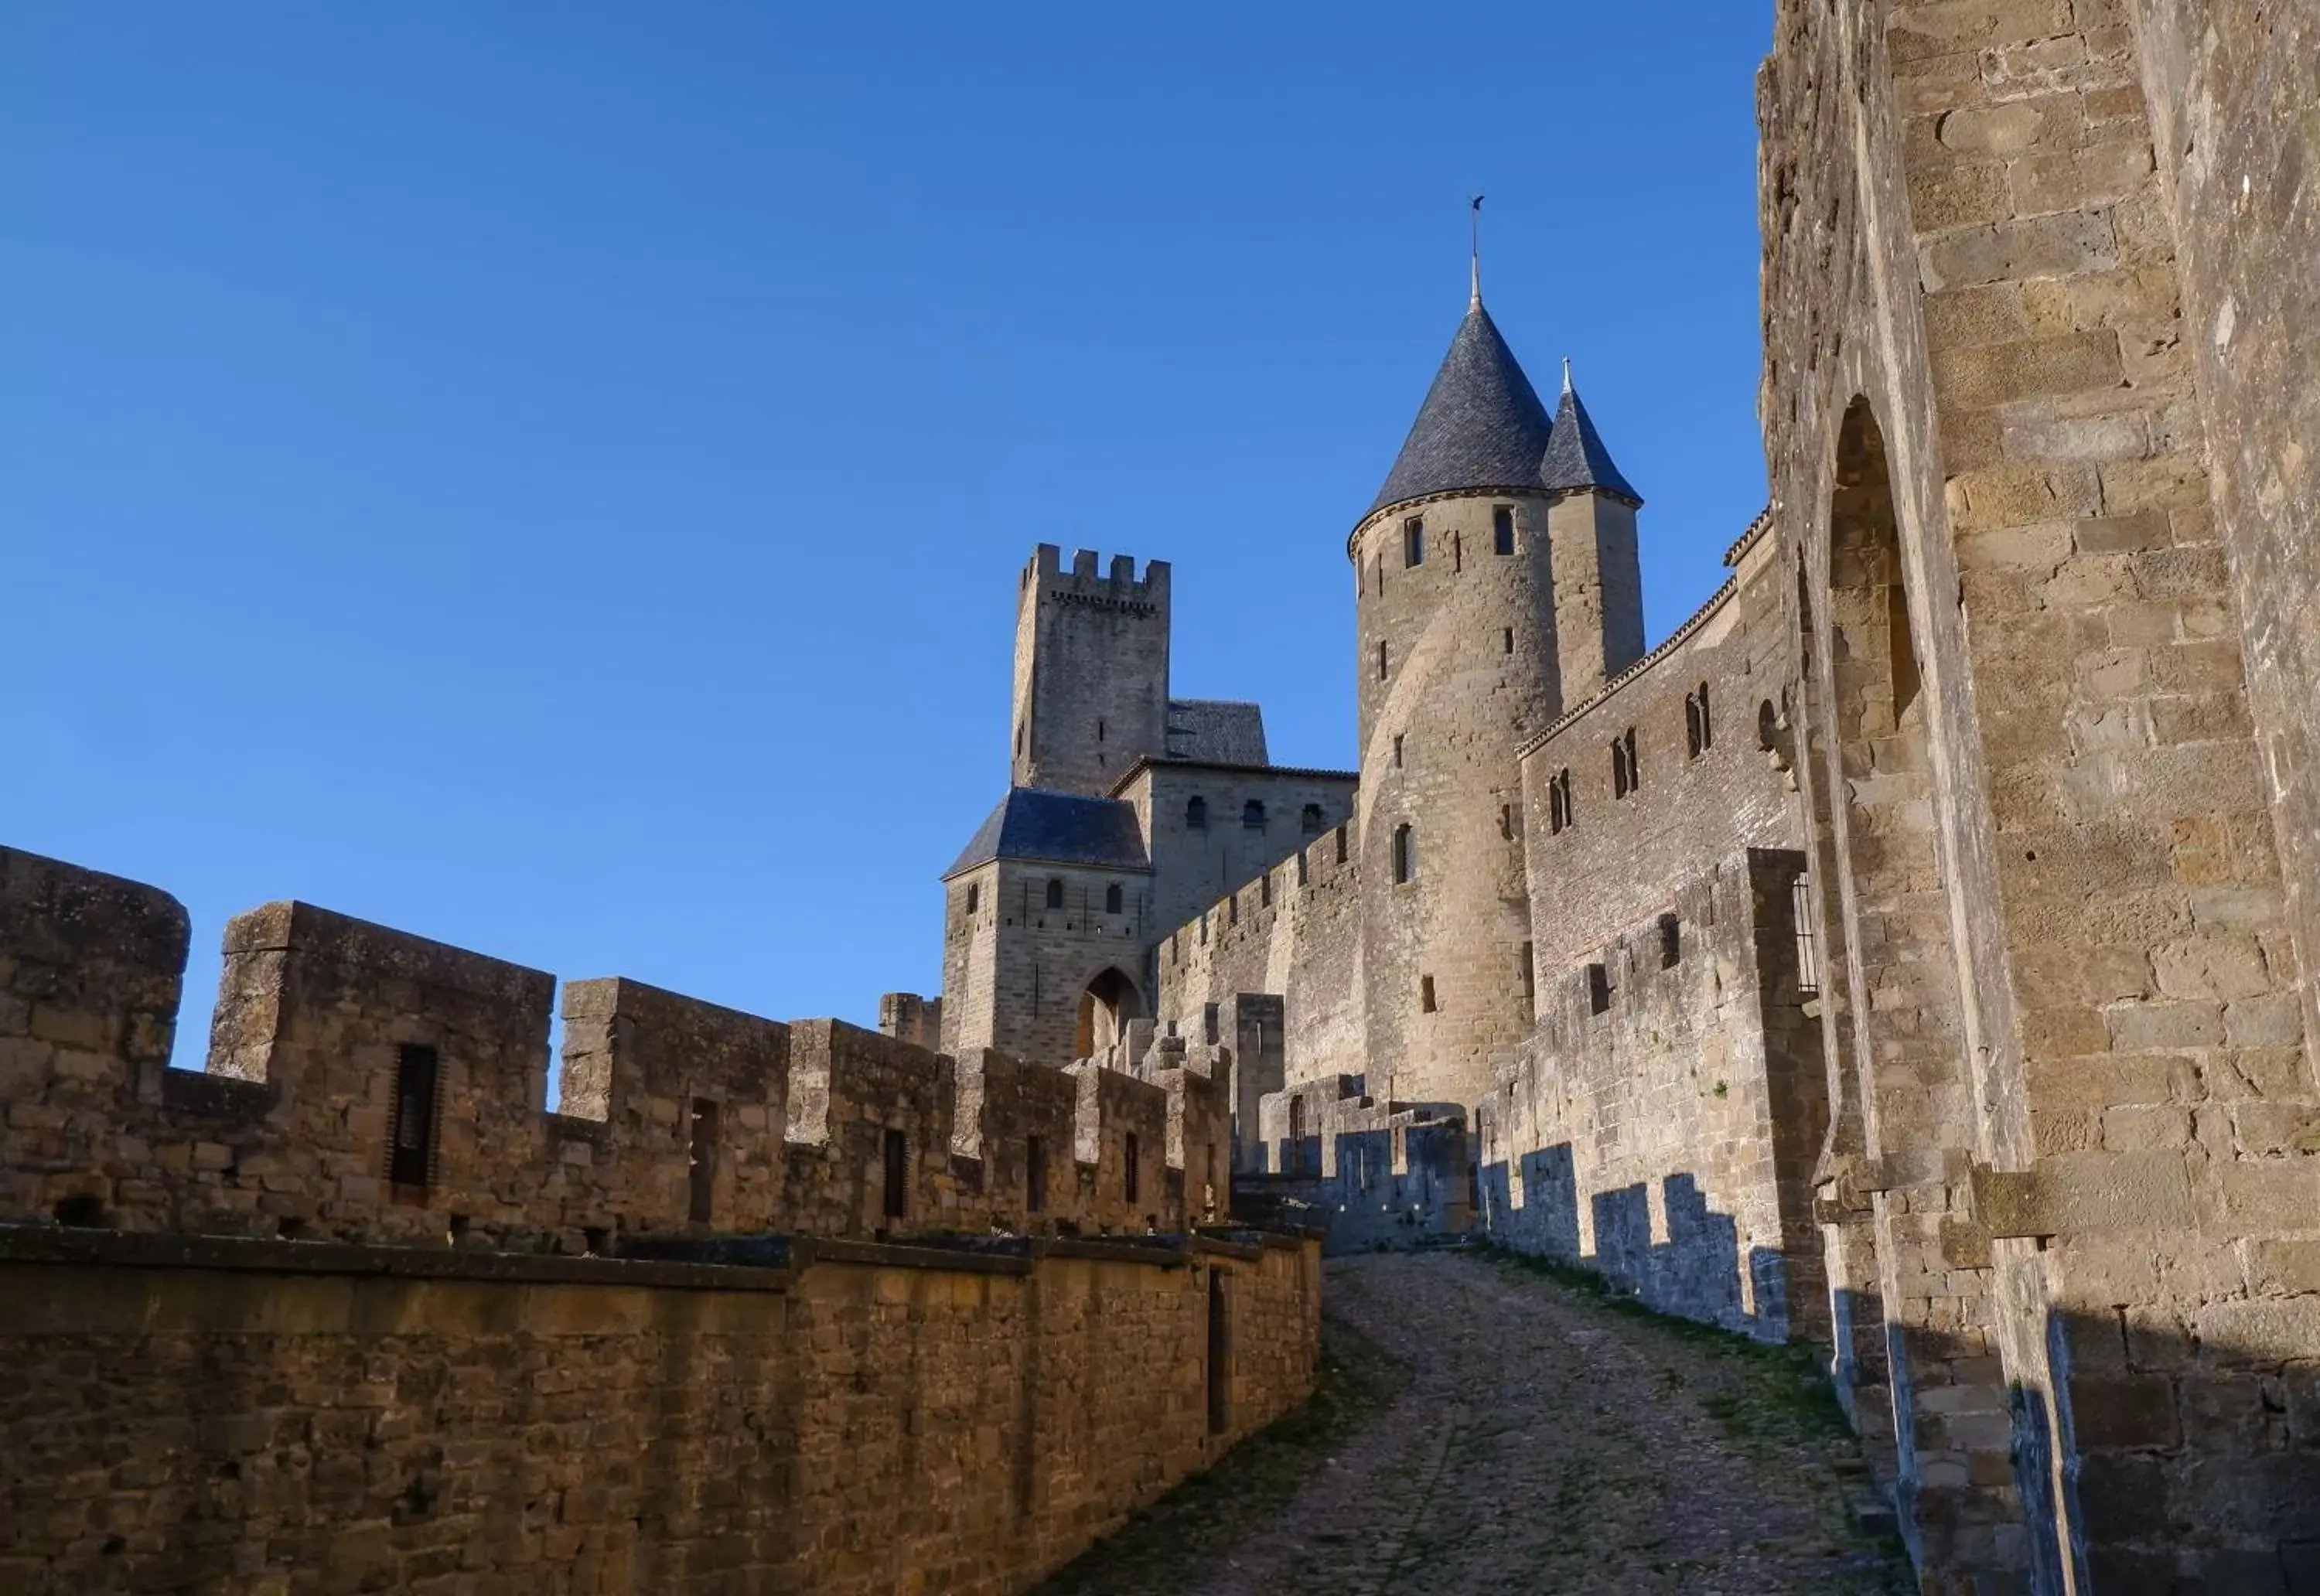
1671,942
1264,889
898,1174
1413,542
1506,640
1341,845
1381,660
1396,751
1502,529
1131,1182
1599,989
1209,1023
410,1138
700,1158
1426,994
1035,1174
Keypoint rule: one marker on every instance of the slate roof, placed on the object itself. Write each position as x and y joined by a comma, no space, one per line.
1059,828
1575,455
1217,730
1481,425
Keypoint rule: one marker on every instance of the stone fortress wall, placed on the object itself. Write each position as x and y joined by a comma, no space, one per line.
2050,516
319,1306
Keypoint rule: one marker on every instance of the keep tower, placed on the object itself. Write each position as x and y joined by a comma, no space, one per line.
1091,670
1467,650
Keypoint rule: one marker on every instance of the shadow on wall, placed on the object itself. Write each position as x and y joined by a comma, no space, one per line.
2144,1458
1690,1265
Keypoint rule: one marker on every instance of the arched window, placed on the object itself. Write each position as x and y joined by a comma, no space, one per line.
1112,898
1251,815
974,897
1054,892
1413,542
1405,854
1381,660
1196,814
1558,802
1309,821
1624,776
1698,732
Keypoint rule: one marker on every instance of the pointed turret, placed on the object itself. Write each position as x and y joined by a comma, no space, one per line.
1575,457
1598,586
1482,427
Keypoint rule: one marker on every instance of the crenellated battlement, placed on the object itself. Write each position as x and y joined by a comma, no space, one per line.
1089,573
363,1083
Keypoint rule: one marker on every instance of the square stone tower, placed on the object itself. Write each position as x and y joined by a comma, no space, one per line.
1091,670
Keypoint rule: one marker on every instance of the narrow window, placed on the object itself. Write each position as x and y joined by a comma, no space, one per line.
1396,751
1035,1174
1529,972
1054,892
1458,552
1232,910
1252,816
1264,889
898,1174
1706,722
1303,869
1380,575
1381,660
1413,542
1209,1023
1196,814
1309,820
1130,1182
1599,989
1019,739
1220,1371
1099,730
702,1157
1671,942
410,1140
1341,845
1426,994
1112,898
1506,639
1502,529
1692,744
1623,764
974,897
1801,910
1405,854
1558,802
1204,931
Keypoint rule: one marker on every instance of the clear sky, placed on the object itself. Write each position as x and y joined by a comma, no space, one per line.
552,478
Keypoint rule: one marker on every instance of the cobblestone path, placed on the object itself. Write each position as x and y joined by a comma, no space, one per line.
1546,1441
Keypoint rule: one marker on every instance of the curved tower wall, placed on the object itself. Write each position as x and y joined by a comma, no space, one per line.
1470,676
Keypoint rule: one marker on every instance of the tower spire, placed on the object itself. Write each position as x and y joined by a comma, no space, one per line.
1475,244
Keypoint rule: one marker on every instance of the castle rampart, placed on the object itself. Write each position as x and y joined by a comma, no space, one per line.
1662,1124
351,1302
367,1085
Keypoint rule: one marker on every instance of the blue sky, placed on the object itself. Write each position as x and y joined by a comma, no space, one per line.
552,478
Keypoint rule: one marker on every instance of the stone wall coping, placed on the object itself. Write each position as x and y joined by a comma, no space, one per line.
46,1244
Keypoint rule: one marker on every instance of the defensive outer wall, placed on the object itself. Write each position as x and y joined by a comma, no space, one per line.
766,1306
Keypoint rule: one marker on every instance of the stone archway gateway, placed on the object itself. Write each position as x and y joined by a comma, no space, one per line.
1107,1003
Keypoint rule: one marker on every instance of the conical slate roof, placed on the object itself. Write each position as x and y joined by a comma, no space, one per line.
1575,455
1481,425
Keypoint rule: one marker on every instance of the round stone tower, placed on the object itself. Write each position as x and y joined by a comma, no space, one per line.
1461,663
